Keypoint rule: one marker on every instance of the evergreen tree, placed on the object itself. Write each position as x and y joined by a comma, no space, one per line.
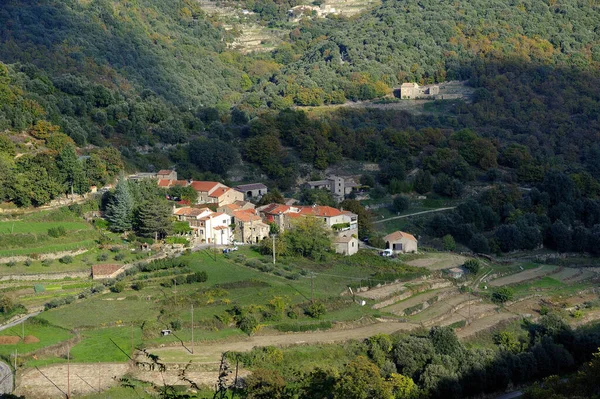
423,182
153,218
120,208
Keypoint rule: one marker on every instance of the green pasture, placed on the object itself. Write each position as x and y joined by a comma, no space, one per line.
47,334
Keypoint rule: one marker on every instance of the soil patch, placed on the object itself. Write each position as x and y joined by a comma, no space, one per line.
443,261
9,340
30,339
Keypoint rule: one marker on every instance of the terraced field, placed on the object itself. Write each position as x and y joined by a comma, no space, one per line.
524,276
400,307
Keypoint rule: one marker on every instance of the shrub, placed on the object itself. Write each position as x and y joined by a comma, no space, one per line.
449,243
138,285
28,262
11,263
119,256
400,204
290,327
175,324
56,232
115,249
315,310
577,314
102,257
47,262
248,324
66,259
502,295
199,277
472,265
118,287
37,288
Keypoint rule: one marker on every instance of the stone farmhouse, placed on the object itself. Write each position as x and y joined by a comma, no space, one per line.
207,226
339,186
252,191
411,91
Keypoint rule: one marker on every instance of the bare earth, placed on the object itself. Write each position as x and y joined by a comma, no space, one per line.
438,261
85,378
399,307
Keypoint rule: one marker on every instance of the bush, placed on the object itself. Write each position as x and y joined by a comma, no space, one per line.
175,324
400,204
102,257
502,295
449,243
119,256
199,277
12,263
66,259
115,249
118,287
290,327
138,285
472,265
28,262
37,288
315,310
56,232
248,324
47,262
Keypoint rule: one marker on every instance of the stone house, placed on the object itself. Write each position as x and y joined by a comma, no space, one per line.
254,190
345,244
338,186
401,242
166,174
225,195
249,227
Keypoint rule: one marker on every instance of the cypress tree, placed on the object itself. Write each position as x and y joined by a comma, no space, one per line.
119,210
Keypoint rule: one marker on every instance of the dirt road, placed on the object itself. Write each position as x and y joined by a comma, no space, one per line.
211,351
414,214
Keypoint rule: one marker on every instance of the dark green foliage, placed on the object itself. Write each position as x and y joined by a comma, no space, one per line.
119,211
153,218
66,259
502,294
400,204
315,310
472,266
56,232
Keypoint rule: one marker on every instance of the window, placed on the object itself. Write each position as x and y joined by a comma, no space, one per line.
352,244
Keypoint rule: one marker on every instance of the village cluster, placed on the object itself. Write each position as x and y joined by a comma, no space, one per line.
226,216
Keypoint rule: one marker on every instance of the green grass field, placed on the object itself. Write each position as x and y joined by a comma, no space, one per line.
47,334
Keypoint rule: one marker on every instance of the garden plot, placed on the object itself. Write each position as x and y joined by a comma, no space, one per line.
438,261
438,310
567,274
523,276
430,296
583,275
384,291
484,324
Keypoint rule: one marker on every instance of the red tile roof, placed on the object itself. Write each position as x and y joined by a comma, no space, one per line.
397,235
164,172
164,183
247,215
204,186
182,183
275,209
322,211
105,270
219,191
187,211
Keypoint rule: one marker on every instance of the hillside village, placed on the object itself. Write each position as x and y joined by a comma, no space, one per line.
234,219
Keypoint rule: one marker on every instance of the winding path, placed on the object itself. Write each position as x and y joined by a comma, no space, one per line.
414,214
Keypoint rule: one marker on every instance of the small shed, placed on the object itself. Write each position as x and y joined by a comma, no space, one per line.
346,244
106,271
254,190
456,272
401,242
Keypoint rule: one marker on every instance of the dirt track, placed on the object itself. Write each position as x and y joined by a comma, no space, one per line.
211,351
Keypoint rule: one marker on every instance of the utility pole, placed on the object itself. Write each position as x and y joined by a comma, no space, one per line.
192,329
215,246
23,330
312,288
132,340
68,372
274,248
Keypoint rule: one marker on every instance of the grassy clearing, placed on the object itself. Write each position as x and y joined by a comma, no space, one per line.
47,334
100,312
106,344
20,226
